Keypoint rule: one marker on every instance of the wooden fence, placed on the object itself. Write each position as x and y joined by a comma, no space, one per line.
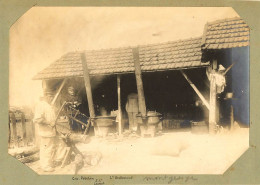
21,129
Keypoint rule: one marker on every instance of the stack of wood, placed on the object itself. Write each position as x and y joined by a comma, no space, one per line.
31,154
26,155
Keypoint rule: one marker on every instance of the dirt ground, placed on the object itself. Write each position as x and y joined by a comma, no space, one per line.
179,152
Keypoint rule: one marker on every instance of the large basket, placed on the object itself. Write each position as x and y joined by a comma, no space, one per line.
103,124
153,118
150,127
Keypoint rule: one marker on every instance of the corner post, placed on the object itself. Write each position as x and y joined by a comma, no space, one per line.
87,85
139,82
24,132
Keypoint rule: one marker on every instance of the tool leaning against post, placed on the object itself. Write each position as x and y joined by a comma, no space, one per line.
70,144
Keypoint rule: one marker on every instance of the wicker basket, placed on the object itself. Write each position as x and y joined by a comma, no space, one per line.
103,124
153,119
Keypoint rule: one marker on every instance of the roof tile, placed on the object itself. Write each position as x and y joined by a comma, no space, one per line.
153,57
234,31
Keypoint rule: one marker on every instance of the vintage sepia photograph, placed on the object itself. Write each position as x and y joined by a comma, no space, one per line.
129,90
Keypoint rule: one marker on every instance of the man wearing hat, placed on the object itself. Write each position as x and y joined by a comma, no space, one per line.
45,118
71,96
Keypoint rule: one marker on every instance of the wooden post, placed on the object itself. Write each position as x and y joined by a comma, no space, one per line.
13,128
24,129
33,131
87,85
195,89
119,105
212,105
139,82
217,110
231,118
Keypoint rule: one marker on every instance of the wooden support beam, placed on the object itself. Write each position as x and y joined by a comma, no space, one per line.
195,89
217,110
231,118
139,82
33,131
24,133
58,92
212,104
119,105
87,85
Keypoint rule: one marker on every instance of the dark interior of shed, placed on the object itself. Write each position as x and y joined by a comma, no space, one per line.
166,92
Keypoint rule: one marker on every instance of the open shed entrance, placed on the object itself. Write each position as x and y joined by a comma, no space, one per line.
166,92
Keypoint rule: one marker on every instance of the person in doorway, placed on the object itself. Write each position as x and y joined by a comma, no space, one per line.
72,96
132,109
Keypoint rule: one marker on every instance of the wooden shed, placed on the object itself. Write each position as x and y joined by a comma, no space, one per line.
167,76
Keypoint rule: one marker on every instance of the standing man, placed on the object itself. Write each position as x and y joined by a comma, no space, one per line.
45,118
132,110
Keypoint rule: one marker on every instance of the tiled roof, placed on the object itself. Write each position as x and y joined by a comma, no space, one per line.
154,57
226,33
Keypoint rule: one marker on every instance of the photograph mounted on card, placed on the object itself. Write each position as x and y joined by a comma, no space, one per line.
129,90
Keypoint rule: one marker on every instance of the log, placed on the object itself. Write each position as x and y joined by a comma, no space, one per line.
26,152
31,158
